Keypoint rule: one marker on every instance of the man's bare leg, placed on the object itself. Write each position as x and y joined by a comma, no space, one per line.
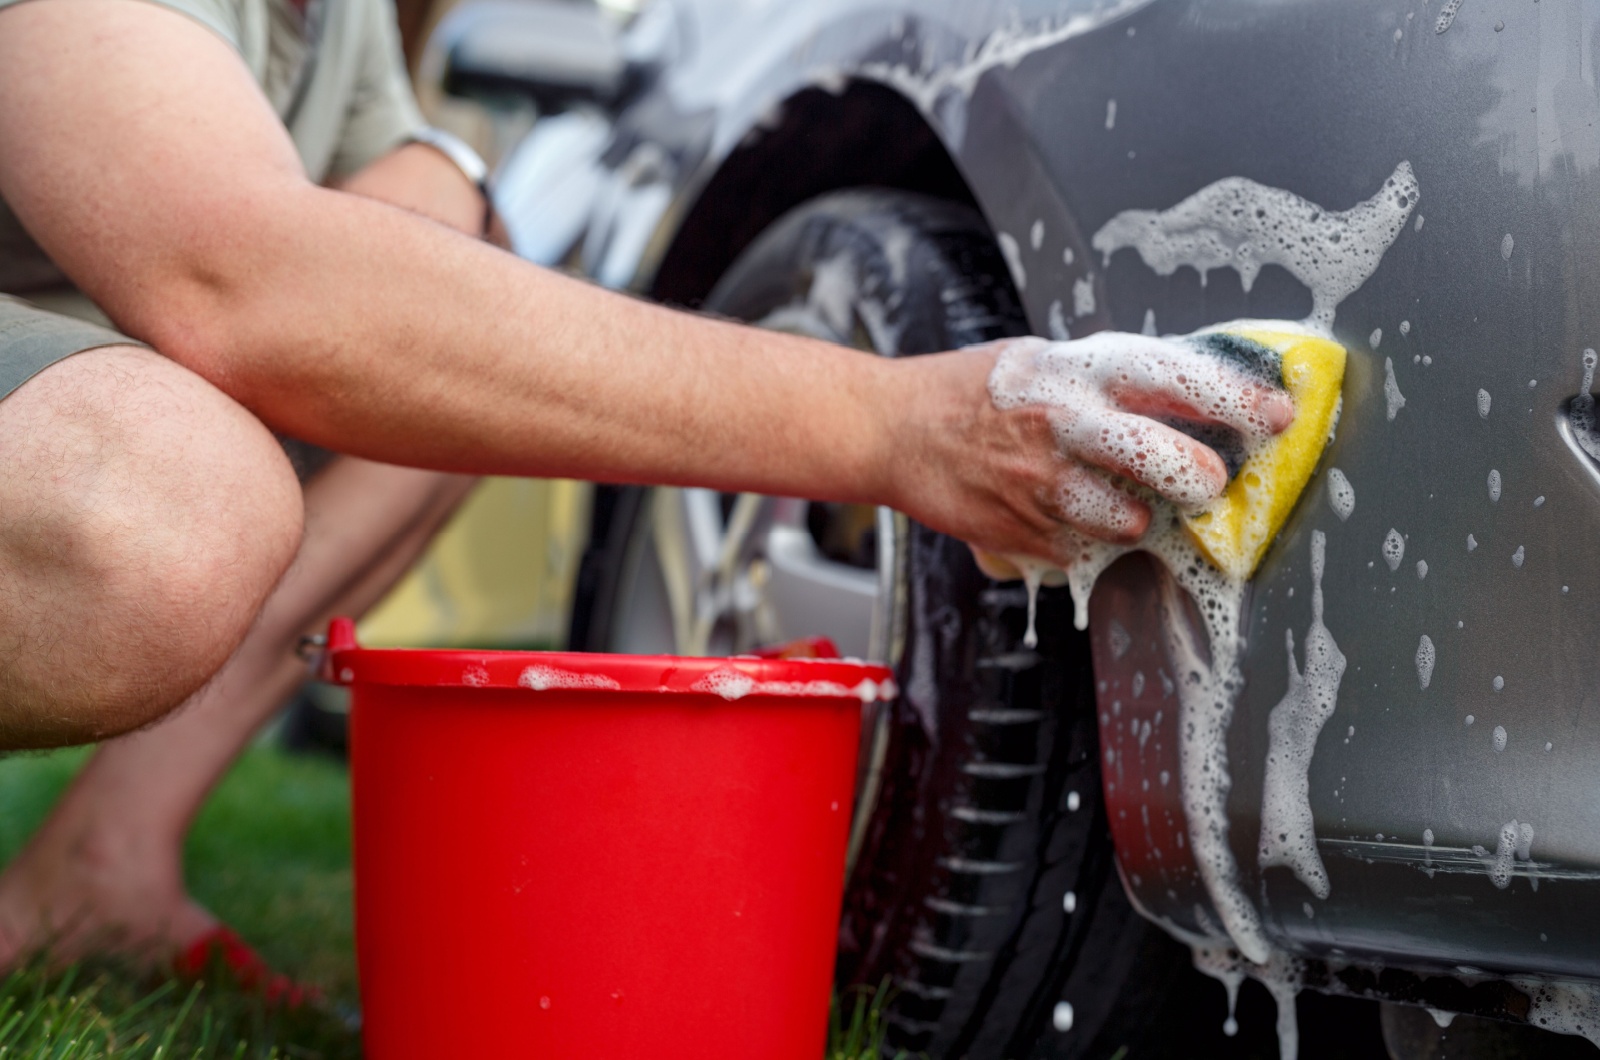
105,871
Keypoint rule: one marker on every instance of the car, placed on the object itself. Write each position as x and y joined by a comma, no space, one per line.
1400,808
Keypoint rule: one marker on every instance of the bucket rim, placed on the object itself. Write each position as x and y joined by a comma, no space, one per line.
729,678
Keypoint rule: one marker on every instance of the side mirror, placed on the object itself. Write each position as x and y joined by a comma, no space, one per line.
555,52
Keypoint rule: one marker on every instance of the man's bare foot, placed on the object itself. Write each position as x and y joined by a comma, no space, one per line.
74,891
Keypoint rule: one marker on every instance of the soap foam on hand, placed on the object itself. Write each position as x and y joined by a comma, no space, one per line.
1133,406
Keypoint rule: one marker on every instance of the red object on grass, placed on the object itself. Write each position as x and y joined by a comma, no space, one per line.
247,967
577,856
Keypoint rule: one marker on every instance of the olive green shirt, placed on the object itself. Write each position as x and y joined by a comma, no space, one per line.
335,75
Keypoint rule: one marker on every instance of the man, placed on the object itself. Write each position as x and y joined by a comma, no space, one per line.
234,183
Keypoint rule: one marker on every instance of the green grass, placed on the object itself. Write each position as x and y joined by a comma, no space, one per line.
270,854
856,1028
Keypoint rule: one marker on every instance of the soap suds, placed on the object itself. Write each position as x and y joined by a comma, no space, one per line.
732,685
1447,15
1288,830
1517,557
1375,338
1149,327
1494,485
1111,114
1499,738
1483,403
1515,844
1282,975
941,86
1058,322
1239,224
543,678
1581,411
1394,549
1341,495
1069,380
1405,327
1422,569
1563,1007
1391,389
1507,245
1472,542
1083,296
1426,657
1013,255
1036,235
1065,379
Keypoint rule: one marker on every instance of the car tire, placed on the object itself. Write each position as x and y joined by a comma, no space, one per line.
984,886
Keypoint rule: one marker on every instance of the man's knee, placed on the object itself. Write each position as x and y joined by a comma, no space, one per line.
148,517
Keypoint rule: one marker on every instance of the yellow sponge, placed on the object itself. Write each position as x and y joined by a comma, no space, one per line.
1234,530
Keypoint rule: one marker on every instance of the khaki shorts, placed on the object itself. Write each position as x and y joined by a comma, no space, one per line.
32,339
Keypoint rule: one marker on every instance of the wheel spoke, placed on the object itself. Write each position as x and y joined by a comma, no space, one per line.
675,554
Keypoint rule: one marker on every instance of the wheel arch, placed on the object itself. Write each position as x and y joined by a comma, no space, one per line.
858,134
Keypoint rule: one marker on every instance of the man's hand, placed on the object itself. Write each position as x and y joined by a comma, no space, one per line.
1013,443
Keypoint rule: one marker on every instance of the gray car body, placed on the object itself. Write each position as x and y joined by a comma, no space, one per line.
1497,282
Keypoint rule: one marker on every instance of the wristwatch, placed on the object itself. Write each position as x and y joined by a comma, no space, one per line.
461,154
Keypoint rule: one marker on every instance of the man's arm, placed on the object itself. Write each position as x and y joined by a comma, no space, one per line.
139,153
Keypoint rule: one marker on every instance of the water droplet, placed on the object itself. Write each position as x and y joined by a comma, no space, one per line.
1499,682
1538,502
1061,1017
1472,542
1073,802
1517,557
1470,719
1069,902
1507,245
1498,26
1548,746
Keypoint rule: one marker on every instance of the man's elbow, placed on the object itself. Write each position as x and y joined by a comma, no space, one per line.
223,305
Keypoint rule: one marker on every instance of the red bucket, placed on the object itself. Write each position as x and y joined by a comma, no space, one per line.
566,855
